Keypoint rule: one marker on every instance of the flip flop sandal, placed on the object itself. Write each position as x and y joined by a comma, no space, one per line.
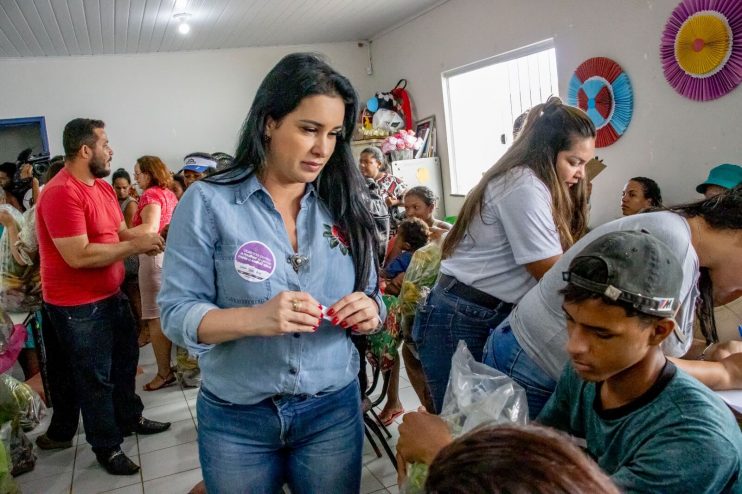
168,380
389,419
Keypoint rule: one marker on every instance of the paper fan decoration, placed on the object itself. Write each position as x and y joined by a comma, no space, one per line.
701,48
602,89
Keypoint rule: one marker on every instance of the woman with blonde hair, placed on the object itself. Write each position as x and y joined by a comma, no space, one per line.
528,208
154,212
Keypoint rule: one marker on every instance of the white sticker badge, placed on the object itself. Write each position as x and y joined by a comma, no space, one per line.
254,261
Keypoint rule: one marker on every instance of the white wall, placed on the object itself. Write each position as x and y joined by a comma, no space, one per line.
166,104
671,139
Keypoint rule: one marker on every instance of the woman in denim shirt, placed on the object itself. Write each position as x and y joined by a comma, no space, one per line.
269,266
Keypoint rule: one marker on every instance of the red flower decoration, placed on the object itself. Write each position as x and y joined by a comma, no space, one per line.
336,238
339,235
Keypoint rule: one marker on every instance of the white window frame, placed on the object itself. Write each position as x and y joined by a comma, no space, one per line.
525,51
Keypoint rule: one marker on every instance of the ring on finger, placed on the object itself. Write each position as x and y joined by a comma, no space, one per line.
295,305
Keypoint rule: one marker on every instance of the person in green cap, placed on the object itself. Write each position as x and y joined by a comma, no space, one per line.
721,178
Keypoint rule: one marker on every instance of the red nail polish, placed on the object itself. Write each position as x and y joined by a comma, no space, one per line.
315,328
355,328
319,321
331,312
320,306
344,324
334,320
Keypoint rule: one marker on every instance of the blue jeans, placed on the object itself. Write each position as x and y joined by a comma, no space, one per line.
313,443
100,340
504,353
440,324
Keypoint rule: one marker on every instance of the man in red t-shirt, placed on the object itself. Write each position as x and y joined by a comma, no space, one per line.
82,242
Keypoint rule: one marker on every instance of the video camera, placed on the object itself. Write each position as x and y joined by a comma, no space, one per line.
40,163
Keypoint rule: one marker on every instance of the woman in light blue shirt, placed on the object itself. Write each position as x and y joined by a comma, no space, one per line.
270,265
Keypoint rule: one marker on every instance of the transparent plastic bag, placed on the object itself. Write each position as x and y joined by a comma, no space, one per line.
30,407
20,285
20,447
186,368
476,395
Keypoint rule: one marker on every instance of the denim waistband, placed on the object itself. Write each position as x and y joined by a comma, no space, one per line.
470,294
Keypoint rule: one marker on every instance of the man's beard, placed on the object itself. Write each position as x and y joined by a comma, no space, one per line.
98,168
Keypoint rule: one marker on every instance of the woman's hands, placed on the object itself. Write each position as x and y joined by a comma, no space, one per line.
287,312
357,312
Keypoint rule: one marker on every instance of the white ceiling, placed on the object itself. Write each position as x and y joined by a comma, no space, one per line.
40,28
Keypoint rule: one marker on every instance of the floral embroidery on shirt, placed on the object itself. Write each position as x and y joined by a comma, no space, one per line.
336,238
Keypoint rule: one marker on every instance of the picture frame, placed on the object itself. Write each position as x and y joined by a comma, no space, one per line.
425,128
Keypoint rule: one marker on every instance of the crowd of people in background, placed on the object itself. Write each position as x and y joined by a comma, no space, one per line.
269,271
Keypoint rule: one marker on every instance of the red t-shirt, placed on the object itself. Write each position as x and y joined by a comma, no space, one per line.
68,208
157,195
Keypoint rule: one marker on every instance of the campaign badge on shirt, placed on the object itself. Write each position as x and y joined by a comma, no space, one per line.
254,261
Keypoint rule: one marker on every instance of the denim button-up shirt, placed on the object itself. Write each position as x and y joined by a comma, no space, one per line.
227,247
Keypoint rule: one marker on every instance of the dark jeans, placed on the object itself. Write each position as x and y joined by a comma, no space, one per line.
101,343
62,393
440,324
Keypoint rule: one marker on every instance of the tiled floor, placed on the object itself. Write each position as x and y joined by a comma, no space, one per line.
169,460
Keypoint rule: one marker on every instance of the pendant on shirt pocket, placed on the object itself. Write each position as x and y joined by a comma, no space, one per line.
254,261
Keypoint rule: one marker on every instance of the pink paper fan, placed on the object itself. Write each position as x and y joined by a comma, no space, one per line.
701,48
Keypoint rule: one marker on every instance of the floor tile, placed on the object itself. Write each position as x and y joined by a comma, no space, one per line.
369,483
50,463
57,484
383,470
161,396
169,412
163,462
93,480
181,432
409,399
129,489
190,393
180,483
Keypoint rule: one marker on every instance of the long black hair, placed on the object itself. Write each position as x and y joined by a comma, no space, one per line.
340,185
721,212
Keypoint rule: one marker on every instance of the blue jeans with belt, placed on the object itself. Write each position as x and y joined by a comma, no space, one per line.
100,342
440,324
503,352
312,443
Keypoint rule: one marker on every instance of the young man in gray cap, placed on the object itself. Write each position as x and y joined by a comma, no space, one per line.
649,425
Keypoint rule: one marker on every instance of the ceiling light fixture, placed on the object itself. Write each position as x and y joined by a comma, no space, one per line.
183,26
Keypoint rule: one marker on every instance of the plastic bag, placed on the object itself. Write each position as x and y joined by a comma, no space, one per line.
30,407
20,446
186,368
20,285
7,484
418,280
476,395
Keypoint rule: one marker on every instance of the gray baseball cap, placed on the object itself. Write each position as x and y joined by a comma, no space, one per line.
640,270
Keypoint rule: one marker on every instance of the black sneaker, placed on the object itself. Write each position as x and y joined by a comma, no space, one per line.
116,462
147,426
